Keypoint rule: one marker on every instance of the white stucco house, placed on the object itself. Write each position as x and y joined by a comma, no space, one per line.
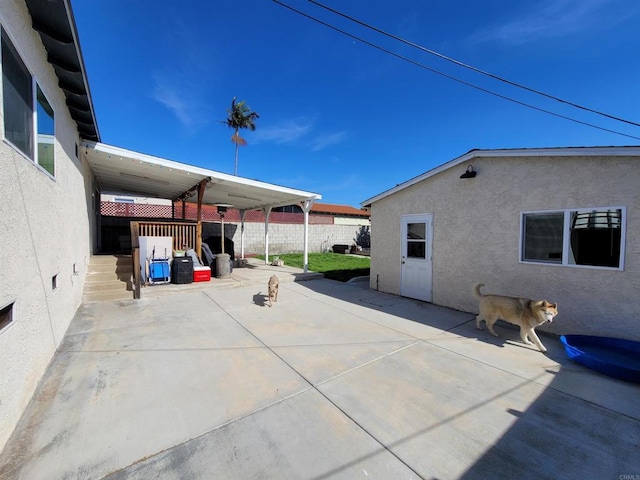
53,168
46,212
561,224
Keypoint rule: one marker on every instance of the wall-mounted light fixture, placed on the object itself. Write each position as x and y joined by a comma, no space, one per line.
470,173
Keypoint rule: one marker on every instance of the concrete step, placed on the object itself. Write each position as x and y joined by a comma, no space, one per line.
109,277
111,286
106,268
110,259
106,296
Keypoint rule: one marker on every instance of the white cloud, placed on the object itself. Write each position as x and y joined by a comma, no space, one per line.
560,18
182,86
177,99
297,131
288,131
324,141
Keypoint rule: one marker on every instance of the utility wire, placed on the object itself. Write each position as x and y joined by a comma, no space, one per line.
470,67
450,77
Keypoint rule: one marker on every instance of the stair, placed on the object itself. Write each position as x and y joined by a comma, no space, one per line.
109,277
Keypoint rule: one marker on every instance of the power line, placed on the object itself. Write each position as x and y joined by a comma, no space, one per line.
450,77
470,67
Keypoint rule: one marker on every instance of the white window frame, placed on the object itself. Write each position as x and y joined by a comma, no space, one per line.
566,237
35,85
42,137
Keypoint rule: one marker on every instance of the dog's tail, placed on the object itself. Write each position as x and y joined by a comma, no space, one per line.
476,290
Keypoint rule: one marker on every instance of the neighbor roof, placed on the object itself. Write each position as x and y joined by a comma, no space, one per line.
338,209
53,20
626,151
124,171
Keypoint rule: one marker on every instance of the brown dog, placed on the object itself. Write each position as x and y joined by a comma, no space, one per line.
272,287
527,314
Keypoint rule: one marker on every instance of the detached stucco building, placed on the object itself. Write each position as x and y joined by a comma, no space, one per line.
556,223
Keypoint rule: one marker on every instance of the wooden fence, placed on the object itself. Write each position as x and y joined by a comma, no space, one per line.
184,235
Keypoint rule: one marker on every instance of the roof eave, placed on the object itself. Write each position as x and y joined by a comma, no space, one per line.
54,22
519,152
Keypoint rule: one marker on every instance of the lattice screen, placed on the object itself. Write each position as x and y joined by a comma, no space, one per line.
209,213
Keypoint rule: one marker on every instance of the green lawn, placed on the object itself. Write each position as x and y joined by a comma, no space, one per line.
334,265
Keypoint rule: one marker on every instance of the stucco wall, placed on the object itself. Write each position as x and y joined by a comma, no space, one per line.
476,235
44,230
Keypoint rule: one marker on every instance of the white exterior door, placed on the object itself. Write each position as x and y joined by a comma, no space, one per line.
417,246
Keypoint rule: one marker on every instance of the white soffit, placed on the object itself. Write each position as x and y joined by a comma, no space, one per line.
120,170
630,151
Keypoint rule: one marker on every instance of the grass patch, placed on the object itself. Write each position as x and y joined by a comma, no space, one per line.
334,265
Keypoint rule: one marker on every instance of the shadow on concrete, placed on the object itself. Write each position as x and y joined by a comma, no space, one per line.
581,423
260,299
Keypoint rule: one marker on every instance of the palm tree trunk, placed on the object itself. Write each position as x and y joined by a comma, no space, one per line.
235,171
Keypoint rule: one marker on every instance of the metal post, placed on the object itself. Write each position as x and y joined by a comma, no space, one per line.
222,232
242,218
267,212
306,207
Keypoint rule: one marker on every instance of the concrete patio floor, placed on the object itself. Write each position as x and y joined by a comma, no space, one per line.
334,381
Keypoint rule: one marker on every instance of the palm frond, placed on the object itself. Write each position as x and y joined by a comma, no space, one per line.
241,116
238,140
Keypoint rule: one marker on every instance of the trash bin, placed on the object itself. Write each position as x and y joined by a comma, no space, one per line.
223,265
182,270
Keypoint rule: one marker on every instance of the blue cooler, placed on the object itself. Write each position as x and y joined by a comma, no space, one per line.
159,271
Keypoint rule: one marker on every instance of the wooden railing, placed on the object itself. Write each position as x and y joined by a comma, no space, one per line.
183,235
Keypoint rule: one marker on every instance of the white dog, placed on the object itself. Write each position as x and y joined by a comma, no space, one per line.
527,314
272,288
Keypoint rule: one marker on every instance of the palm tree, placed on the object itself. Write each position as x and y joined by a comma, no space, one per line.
240,116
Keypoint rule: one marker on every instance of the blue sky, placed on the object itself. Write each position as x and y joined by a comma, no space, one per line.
339,117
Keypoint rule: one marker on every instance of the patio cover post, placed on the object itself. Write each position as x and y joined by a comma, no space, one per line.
242,219
201,188
306,207
267,212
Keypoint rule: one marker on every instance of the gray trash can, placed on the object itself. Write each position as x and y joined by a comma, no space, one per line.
223,265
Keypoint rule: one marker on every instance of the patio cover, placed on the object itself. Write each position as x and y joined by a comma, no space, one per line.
124,171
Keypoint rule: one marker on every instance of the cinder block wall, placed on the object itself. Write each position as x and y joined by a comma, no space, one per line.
284,237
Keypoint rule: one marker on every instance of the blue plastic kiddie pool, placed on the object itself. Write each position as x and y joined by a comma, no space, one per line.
615,357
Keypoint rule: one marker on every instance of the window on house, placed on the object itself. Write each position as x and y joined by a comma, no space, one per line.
26,110
44,116
585,237
416,240
288,209
17,96
6,316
